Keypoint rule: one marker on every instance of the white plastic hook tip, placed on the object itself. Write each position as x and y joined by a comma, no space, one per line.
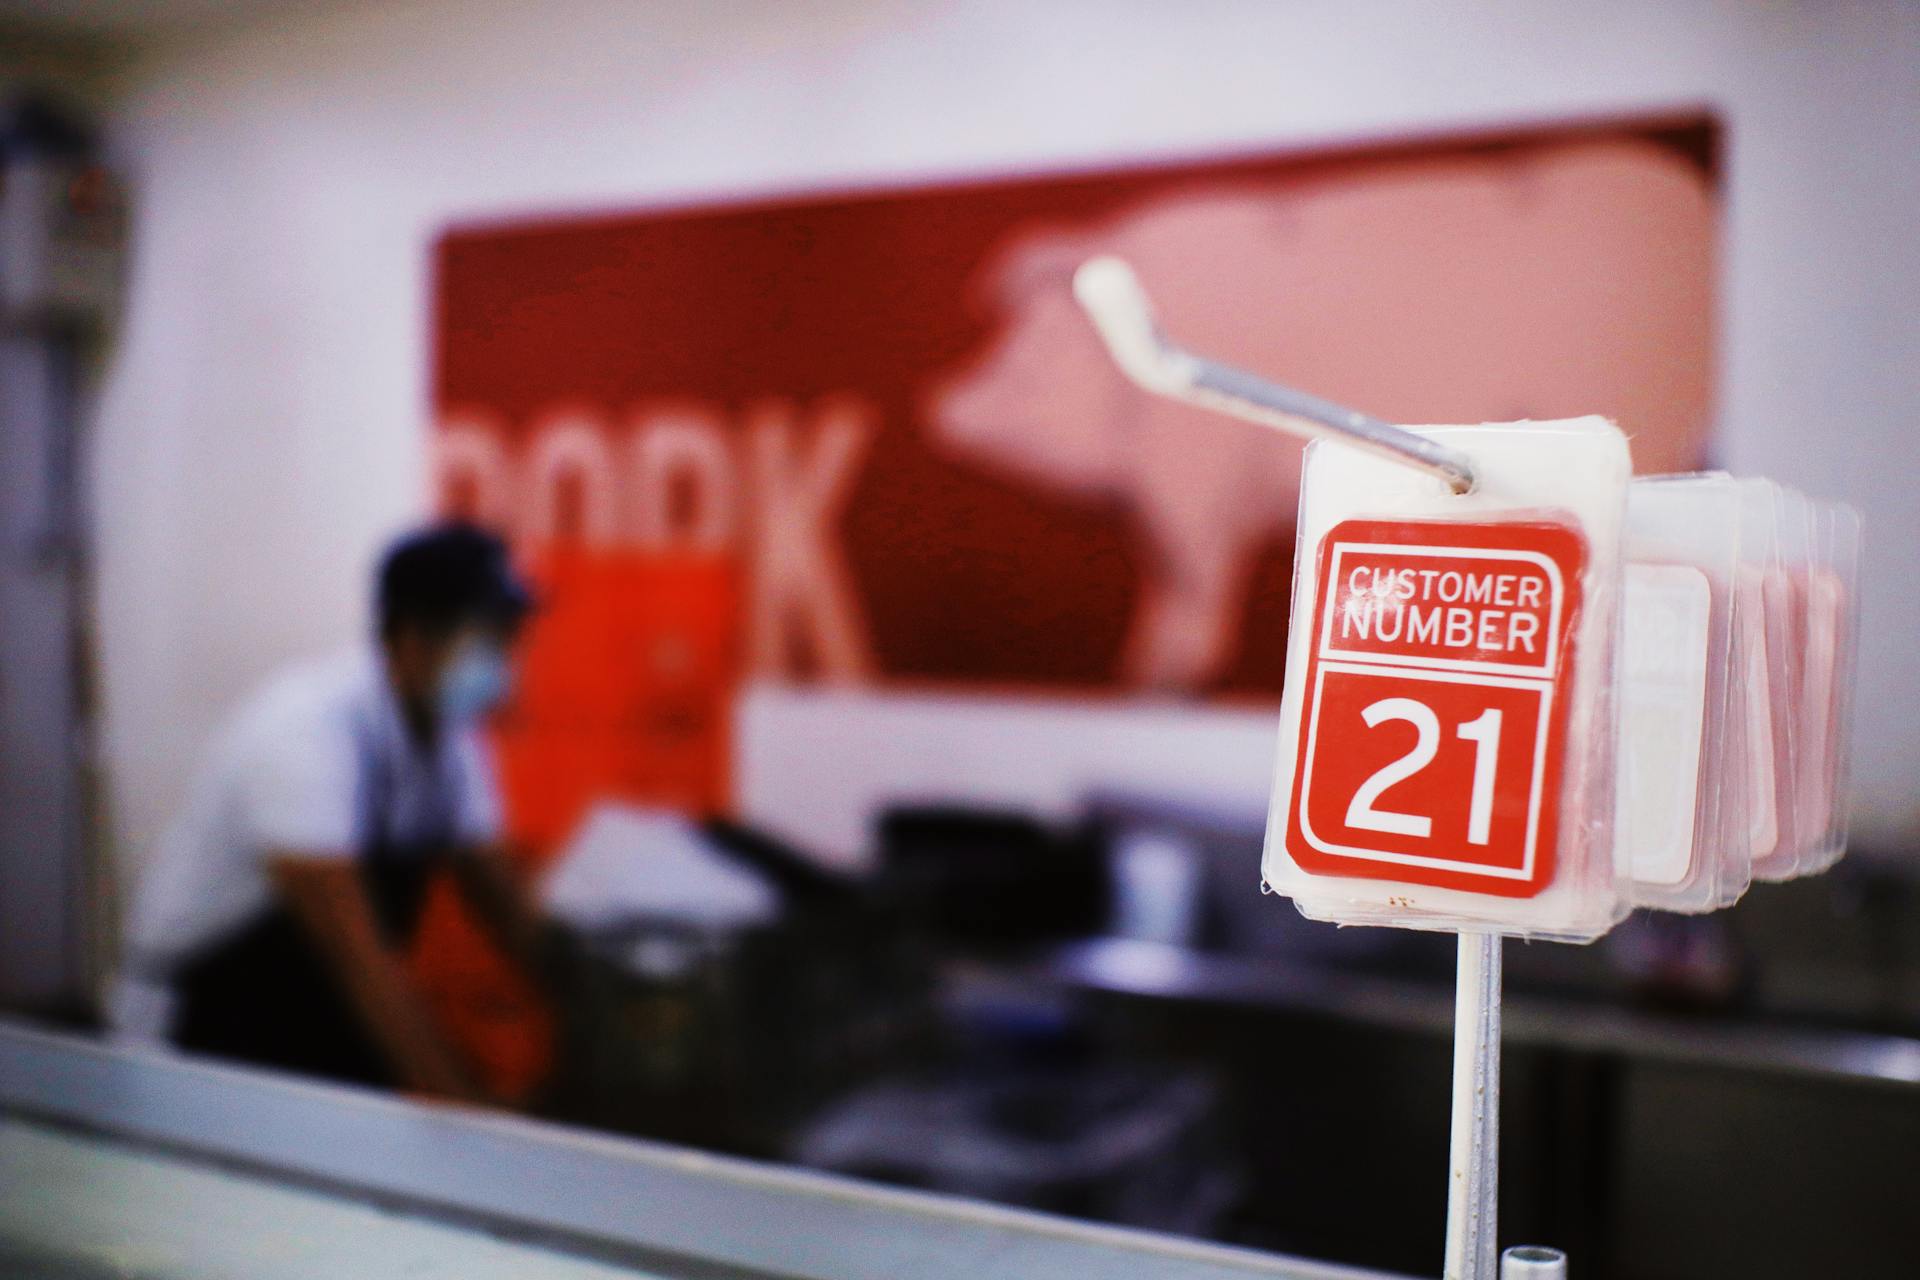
1111,295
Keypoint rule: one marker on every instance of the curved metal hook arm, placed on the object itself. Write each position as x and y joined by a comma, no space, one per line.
1110,294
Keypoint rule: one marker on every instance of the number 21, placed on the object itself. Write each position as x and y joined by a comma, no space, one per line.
1483,732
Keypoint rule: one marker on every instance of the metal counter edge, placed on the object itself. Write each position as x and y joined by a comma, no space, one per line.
577,1191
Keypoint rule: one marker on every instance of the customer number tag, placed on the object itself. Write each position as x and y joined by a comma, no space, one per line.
1436,702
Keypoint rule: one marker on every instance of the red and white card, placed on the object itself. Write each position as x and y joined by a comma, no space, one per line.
1446,734
1433,676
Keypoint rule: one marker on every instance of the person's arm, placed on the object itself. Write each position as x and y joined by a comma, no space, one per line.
326,896
503,905
490,880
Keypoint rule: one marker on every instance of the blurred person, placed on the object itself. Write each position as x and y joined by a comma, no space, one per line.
274,924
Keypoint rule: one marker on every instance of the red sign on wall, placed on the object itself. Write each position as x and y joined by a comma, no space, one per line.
1436,705
886,410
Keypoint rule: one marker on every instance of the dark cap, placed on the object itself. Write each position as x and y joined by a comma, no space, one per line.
446,576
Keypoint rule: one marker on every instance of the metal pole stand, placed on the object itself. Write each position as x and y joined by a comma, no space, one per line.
1114,300
1473,1180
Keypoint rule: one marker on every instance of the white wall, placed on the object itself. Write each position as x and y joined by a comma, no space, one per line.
263,424
818,765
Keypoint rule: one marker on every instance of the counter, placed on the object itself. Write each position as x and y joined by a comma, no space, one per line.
117,1160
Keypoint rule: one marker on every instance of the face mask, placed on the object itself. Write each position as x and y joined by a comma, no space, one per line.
475,681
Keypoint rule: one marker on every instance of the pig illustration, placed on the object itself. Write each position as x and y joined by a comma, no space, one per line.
1542,283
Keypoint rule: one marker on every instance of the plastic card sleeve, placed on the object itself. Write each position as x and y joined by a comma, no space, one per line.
1783,593
1447,729
1682,818
1834,626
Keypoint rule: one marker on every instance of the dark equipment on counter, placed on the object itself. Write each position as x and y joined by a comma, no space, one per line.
726,1037
991,879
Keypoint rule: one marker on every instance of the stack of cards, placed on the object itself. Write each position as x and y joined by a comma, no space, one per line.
1529,708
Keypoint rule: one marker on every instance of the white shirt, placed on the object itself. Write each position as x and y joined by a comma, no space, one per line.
289,772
